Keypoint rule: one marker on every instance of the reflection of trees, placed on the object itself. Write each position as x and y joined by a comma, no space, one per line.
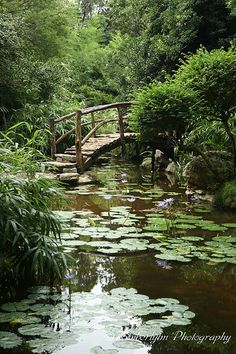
199,271
193,273
87,271
109,272
125,269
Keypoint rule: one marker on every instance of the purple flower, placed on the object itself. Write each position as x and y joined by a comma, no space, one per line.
69,276
131,199
165,203
163,264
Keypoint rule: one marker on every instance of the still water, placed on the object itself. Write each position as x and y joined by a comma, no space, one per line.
200,291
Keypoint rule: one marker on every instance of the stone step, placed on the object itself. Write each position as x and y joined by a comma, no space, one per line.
70,170
57,166
65,158
69,178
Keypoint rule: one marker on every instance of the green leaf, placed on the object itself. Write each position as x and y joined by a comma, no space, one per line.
9,340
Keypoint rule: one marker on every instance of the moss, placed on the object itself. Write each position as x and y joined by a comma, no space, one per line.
225,196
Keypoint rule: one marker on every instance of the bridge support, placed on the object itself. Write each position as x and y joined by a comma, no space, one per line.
53,137
78,142
121,129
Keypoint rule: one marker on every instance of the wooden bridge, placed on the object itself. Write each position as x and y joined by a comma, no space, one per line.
89,148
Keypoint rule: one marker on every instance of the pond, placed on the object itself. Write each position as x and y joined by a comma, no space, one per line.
150,277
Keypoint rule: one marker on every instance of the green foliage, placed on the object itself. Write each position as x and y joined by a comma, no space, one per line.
209,134
30,233
198,102
59,55
160,32
33,40
212,75
90,64
225,197
161,107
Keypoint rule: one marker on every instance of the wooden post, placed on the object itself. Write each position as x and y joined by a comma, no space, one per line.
78,144
53,137
93,123
153,171
121,129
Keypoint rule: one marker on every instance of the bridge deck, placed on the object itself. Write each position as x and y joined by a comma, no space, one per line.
95,147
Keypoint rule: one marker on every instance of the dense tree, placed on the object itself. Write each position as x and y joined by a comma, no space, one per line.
163,107
33,38
212,76
58,54
203,89
160,32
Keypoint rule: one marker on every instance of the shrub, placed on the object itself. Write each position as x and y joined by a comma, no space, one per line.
212,77
162,107
225,197
29,231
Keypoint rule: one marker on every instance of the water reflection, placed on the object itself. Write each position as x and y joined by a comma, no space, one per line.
208,289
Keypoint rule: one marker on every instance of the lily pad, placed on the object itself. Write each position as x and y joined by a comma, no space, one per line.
100,350
9,340
230,224
147,330
35,330
128,344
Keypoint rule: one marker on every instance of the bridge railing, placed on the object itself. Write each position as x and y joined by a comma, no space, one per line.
79,124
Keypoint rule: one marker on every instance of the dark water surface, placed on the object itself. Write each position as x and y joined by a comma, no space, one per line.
207,288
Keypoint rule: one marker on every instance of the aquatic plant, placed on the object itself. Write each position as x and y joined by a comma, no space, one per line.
166,203
120,314
166,207
30,232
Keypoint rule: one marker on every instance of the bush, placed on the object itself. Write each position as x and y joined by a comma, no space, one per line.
162,107
212,77
225,197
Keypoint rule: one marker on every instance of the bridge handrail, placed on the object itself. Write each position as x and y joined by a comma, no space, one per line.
77,116
93,110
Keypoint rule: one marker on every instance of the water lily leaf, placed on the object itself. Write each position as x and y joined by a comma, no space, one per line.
74,243
64,214
185,226
215,228
41,290
230,260
229,224
231,239
29,319
42,309
188,216
147,331
9,340
100,350
15,306
201,210
11,316
154,227
35,330
189,314
58,341
128,344
192,238
172,257
109,250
